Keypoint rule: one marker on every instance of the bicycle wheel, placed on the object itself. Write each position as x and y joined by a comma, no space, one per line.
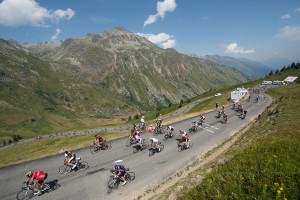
82,165
129,176
113,182
166,137
135,149
94,149
151,152
129,143
64,169
107,145
180,148
161,147
190,144
25,194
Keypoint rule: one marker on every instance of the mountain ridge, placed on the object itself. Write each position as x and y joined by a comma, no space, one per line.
249,68
99,76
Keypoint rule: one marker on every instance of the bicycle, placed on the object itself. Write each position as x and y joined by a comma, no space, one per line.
27,191
168,136
136,147
130,141
114,181
96,148
80,165
184,146
153,150
159,130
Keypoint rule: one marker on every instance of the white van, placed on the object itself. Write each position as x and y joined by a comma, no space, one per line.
278,83
267,83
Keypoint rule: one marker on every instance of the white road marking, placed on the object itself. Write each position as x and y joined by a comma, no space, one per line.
212,126
206,129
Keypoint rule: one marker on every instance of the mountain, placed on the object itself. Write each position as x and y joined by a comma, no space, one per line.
65,85
250,69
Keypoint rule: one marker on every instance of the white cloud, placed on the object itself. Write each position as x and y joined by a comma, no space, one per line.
286,16
290,32
233,48
21,12
297,10
55,36
162,39
162,8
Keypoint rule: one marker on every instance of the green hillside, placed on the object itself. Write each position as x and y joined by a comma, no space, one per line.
264,162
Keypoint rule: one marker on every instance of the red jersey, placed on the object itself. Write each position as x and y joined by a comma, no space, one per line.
99,138
39,175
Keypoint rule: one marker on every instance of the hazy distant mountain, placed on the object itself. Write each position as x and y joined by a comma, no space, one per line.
250,69
97,76
278,63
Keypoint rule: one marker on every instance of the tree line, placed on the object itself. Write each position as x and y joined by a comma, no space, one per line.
285,68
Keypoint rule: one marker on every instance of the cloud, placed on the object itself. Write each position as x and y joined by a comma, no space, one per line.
162,39
286,16
233,48
290,32
297,10
55,36
21,12
162,8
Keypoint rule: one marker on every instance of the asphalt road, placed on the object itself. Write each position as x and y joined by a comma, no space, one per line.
92,183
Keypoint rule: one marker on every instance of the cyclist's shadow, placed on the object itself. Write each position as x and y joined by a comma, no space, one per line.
53,185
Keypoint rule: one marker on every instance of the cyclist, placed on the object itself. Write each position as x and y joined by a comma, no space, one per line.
193,125
154,143
151,129
184,137
170,130
201,120
99,141
70,159
225,117
120,172
142,122
40,176
139,141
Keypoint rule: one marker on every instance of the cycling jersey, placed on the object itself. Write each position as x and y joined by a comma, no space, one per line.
39,175
119,168
100,139
154,140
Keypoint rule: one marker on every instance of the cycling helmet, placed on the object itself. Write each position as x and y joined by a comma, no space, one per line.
194,121
151,139
180,130
28,174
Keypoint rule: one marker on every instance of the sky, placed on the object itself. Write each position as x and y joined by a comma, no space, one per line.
260,30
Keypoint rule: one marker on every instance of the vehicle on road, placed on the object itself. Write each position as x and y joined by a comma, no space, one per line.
27,191
115,180
80,165
96,148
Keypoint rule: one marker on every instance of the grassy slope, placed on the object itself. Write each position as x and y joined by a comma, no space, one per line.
43,148
265,162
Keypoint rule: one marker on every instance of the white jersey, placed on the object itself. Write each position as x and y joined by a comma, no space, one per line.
154,140
184,134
